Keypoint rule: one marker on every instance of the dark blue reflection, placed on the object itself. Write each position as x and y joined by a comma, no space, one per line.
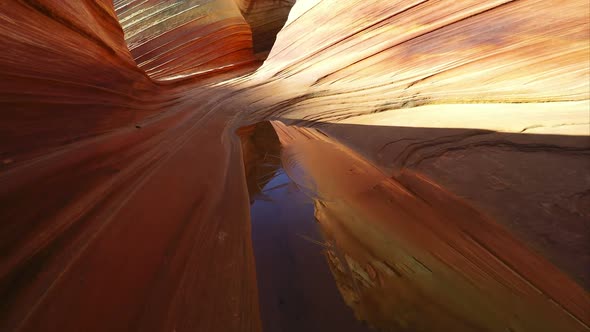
296,288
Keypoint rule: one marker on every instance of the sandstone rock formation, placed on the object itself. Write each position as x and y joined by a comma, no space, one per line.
265,18
175,39
123,200
473,94
415,250
66,75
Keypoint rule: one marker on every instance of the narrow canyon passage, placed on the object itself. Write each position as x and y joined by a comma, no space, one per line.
310,165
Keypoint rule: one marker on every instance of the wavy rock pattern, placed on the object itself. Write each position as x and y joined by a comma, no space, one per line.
438,81
122,198
66,74
175,39
423,52
84,243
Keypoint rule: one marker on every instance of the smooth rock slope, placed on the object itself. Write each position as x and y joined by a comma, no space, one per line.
123,196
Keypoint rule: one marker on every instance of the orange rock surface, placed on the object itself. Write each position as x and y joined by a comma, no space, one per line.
176,39
66,75
415,250
462,132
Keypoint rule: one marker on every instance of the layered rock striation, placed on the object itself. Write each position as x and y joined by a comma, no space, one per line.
482,97
66,74
178,39
123,198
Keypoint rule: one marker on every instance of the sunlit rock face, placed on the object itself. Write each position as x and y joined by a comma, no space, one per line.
266,18
174,39
482,97
66,74
408,53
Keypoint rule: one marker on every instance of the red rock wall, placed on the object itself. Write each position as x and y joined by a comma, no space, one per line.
176,39
65,74
83,130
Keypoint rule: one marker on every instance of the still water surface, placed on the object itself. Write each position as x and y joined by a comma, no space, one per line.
296,288
341,246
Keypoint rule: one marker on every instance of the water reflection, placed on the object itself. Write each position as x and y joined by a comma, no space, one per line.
297,291
403,253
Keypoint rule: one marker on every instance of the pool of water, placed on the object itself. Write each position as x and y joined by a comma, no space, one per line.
341,246
297,291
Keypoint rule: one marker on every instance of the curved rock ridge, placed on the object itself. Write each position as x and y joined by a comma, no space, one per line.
65,74
180,38
409,53
266,18
492,93
82,131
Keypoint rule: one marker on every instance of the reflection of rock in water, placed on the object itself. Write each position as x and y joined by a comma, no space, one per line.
382,295
295,287
260,150
410,256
